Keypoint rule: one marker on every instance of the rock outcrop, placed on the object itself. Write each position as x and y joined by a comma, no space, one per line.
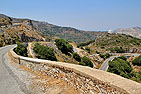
12,30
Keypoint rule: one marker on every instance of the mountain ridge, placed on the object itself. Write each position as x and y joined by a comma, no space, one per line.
68,33
133,31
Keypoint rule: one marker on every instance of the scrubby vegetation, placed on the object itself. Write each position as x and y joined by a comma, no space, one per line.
76,57
123,58
88,49
85,43
116,43
68,33
21,49
137,61
85,61
117,50
44,52
104,56
123,68
64,46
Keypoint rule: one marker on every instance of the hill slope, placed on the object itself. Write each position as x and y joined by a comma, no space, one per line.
115,42
135,31
67,33
12,30
51,30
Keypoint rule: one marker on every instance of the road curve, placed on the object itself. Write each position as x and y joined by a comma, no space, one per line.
9,82
105,65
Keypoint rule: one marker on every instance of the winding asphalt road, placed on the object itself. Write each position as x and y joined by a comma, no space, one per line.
105,65
9,82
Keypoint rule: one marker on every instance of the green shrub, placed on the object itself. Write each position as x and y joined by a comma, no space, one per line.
64,46
119,50
123,57
104,56
85,61
85,43
123,68
36,47
137,61
101,55
44,52
76,57
87,49
21,49
97,52
102,47
107,55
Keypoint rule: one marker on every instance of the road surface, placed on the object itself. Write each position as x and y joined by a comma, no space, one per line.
105,65
9,82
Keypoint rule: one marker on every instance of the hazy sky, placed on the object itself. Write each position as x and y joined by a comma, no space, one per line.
81,14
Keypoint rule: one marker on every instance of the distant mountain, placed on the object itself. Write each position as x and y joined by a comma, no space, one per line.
13,27
135,31
67,33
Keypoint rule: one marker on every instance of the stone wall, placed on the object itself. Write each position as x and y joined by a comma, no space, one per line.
82,78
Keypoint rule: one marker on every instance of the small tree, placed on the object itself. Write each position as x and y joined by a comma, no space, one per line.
123,58
64,46
107,55
85,61
21,49
87,49
137,61
44,52
76,57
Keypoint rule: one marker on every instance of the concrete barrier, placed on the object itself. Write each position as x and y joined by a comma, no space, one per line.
82,78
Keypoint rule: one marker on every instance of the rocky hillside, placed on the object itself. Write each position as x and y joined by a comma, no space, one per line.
51,30
116,43
12,30
135,31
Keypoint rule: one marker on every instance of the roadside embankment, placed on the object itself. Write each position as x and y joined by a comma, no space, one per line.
82,78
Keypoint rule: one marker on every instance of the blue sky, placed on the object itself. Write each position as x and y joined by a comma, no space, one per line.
81,14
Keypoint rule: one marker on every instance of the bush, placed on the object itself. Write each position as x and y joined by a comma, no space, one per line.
87,49
123,68
123,58
119,50
44,52
85,43
97,52
102,47
76,57
104,56
21,49
64,46
101,55
85,61
137,61
107,55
